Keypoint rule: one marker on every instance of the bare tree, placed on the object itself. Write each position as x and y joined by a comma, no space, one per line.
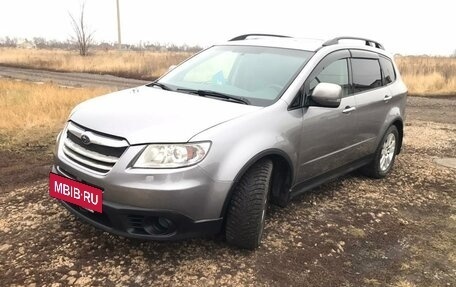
82,35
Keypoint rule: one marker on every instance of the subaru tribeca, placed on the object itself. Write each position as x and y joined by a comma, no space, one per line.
209,145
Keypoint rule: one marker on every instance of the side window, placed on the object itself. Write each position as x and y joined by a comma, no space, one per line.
334,73
366,74
389,74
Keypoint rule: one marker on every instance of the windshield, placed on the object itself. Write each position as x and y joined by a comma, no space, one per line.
258,74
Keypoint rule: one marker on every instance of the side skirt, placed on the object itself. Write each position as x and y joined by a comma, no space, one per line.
319,180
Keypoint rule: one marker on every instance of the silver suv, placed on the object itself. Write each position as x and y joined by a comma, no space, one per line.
205,148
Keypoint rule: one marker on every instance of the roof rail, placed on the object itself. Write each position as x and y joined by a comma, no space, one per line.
368,42
243,37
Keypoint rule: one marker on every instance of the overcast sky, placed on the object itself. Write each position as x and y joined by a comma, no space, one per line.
406,27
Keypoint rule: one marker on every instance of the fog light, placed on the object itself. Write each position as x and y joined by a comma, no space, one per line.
159,225
164,223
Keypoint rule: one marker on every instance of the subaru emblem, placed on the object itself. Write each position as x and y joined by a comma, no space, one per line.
85,139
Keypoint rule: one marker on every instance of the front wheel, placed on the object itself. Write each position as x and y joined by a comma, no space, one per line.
384,155
247,209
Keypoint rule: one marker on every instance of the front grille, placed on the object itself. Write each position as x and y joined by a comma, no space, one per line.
99,153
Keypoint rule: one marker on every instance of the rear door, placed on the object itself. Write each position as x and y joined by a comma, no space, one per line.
327,137
373,98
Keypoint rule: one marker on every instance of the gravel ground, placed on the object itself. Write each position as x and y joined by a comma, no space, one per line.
354,231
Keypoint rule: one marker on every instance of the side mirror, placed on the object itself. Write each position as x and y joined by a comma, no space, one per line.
327,95
171,68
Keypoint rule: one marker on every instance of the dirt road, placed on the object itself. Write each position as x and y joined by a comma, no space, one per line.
68,79
355,231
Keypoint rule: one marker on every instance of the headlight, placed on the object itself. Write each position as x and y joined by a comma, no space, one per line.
172,155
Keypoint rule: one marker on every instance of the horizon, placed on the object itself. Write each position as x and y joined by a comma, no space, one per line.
178,47
403,29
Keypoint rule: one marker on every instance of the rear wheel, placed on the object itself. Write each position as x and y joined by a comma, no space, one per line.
384,156
247,209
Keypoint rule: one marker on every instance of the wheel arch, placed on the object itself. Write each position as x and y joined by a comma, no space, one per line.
400,128
282,177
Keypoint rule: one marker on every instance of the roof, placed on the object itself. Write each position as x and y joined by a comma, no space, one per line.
279,41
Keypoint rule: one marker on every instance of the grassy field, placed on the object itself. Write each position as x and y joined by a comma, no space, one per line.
424,76
32,115
146,65
29,108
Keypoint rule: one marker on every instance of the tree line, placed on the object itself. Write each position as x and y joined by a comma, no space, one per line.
42,43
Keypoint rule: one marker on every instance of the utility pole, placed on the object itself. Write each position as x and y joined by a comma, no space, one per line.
119,39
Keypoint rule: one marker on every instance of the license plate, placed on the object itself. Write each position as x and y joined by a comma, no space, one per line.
69,190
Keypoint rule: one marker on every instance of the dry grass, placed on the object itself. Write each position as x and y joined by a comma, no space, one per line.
428,75
43,107
133,64
422,75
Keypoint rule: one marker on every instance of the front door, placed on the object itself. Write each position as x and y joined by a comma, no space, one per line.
328,138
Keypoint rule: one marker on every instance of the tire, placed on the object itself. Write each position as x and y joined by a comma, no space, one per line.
384,155
246,212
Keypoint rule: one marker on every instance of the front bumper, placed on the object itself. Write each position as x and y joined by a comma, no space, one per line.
134,200
145,220
145,224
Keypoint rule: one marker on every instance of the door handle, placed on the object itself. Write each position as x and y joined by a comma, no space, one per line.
348,109
387,98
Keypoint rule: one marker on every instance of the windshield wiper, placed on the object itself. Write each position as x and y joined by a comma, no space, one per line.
163,86
209,93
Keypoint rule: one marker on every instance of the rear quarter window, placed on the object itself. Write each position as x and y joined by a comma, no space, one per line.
366,74
389,74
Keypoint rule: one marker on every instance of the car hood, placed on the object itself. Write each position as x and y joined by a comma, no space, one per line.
151,115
